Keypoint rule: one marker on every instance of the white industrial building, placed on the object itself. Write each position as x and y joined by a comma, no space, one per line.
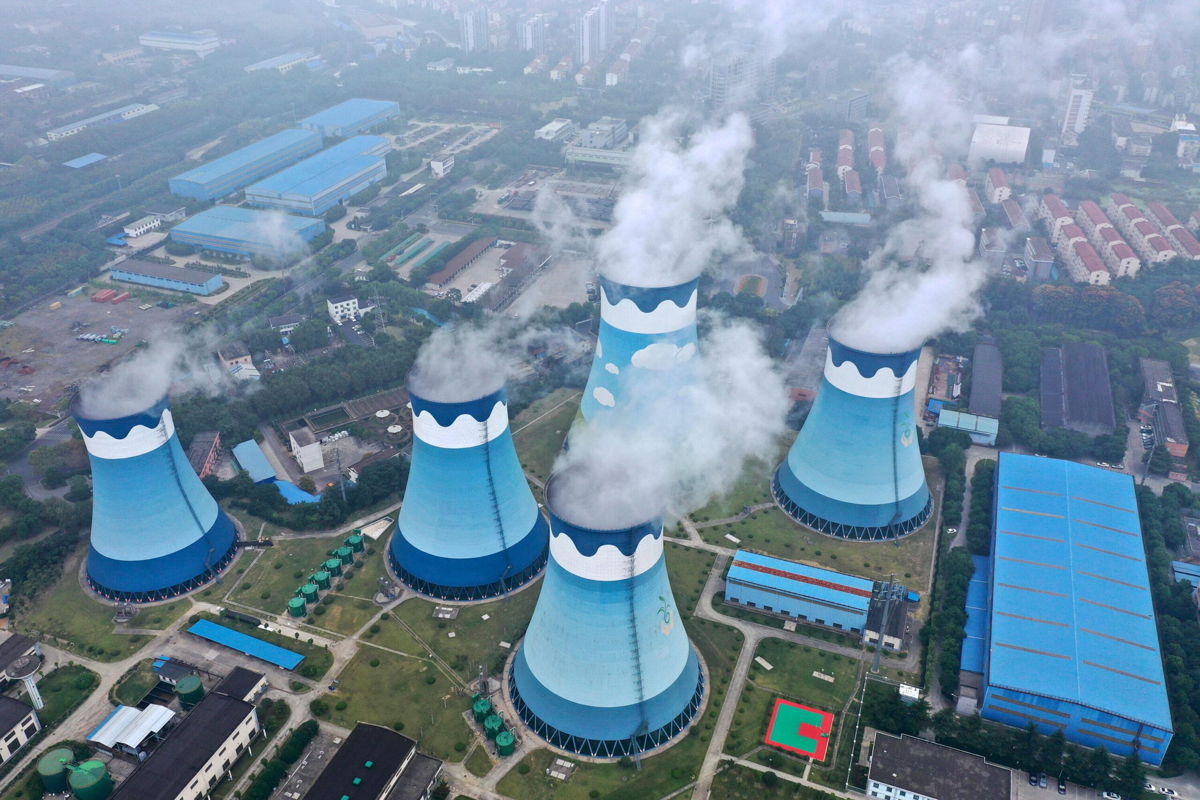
1000,144
556,130
306,449
151,222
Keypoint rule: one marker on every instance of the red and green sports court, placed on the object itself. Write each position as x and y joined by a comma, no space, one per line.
799,729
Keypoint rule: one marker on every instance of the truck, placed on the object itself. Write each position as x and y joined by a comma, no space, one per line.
121,298
104,295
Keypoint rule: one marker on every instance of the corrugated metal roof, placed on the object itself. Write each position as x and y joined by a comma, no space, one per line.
776,574
349,113
244,224
975,645
239,159
316,173
1072,617
244,643
968,422
130,727
1183,571
254,461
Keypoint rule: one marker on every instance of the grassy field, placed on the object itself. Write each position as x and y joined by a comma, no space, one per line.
398,690
317,660
63,689
345,615
136,683
749,615
279,571
538,442
395,636
742,783
476,640
479,762
752,488
84,626
688,569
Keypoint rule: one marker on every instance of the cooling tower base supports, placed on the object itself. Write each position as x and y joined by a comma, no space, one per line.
838,530
608,749
467,594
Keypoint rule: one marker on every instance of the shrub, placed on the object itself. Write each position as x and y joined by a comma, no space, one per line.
319,708
266,595
431,679
340,705
374,662
523,769
460,747
397,725
319,611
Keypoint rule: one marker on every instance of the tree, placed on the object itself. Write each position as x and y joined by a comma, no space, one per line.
1130,778
14,438
311,334
307,484
1174,305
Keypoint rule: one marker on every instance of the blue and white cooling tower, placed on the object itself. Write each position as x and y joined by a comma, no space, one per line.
855,469
469,527
156,531
606,668
648,331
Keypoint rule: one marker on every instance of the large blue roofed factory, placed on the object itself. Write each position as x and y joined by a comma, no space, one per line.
246,232
350,117
1067,638
320,182
242,167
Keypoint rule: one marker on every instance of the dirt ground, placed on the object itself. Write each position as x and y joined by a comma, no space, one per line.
44,340
564,281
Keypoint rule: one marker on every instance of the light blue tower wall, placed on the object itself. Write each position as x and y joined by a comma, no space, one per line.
156,531
606,668
469,527
643,331
855,469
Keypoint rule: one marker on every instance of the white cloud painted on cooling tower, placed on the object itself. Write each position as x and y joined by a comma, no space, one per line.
662,355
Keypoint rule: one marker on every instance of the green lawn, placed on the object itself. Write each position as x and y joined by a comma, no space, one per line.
539,443
752,488
479,762
281,570
397,690
317,660
136,683
688,569
394,636
63,689
742,783
80,624
476,640
343,615
832,635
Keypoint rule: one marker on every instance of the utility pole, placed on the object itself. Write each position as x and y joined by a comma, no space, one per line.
337,457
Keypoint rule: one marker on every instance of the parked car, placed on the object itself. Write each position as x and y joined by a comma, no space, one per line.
1043,781
1062,786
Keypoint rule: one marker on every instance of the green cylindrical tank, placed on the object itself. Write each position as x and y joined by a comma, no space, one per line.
90,781
190,690
481,708
492,726
505,742
296,607
333,566
52,769
344,554
356,543
309,592
321,579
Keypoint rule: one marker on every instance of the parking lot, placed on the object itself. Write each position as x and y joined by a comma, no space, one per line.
1027,792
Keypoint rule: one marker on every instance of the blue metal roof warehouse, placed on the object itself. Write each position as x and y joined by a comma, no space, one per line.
320,182
798,590
1072,642
165,276
242,167
250,457
245,643
351,117
246,231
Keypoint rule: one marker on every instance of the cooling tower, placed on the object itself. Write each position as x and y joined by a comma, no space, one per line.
649,331
156,531
469,527
605,668
855,469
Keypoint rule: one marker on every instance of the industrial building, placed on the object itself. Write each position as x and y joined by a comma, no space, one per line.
855,469
1161,401
982,430
646,334
18,724
283,63
910,767
202,453
201,43
1076,392
469,527
1071,640
469,255
132,730
306,450
247,232
197,754
53,77
999,144
987,379
244,166
165,276
156,532
374,763
351,117
320,182
107,118
253,460
816,595
606,668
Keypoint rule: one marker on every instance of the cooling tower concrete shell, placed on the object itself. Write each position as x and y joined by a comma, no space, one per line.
606,668
156,531
469,527
855,469
649,332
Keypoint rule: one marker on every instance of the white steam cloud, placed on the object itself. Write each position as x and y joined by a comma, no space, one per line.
681,443
172,363
283,244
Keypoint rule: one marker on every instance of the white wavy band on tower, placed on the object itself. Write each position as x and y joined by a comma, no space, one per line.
667,317
465,431
882,384
609,563
140,440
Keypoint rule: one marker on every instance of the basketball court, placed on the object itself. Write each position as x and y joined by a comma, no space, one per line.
799,729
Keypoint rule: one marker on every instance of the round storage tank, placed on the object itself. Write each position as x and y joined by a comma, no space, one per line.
296,607
90,781
505,742
321,579
492,726
190,690
481,708
356,543
333,566
52,769
309,592
344,554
